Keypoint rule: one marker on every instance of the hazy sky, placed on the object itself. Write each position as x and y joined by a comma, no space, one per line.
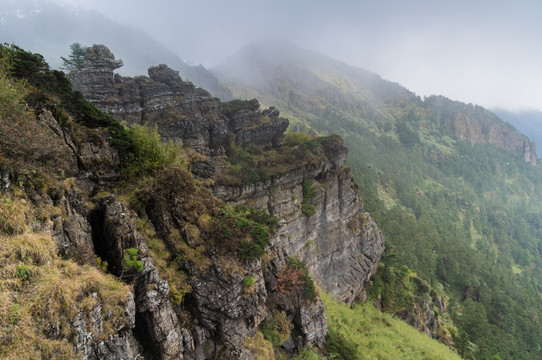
483,52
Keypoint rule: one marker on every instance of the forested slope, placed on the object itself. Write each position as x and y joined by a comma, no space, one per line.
455,190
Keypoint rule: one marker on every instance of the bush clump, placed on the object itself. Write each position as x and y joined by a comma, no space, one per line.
294,283
308,194
147,153
245,230
131,262
276,330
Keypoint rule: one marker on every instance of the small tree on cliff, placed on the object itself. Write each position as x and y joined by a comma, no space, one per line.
76,58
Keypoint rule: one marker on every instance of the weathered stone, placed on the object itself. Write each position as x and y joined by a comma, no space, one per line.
156,321
225,307
87,333
312,322
340,243
99,159
182,112
463,121
72,232
115,230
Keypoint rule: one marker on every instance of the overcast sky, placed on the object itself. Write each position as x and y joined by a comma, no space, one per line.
482,52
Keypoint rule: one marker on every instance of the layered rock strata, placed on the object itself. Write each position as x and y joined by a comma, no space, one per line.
182,112
340,243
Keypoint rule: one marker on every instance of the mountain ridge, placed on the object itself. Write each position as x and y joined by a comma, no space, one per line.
294,78
451,186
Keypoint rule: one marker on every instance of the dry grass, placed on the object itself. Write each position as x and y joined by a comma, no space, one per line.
165,263
15,214
37,305
259,347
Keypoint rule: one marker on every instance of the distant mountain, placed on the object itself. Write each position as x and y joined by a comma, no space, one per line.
527,121
454,188
305,84
49,28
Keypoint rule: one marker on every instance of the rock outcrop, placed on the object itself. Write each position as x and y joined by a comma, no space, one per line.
228,300
476,125
340,243
182,112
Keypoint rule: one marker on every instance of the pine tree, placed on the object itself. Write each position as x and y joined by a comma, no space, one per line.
76,58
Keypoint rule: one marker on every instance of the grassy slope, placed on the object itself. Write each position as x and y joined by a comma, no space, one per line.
363,332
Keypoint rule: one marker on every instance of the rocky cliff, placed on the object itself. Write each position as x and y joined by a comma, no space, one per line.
182,112
204,262
477,125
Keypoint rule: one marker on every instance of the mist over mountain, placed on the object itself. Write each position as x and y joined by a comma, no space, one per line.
259,199
455,189
304,83
49,28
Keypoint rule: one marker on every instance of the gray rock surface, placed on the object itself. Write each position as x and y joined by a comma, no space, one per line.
340,243
183,113
87,330
156,321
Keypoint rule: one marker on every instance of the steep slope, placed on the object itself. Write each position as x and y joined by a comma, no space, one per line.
188,115
190,275
527,121
455,190
23,23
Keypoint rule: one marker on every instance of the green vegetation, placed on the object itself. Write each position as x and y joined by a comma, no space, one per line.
307,353
76,58
362,332
147,152
294,284
131,262
276,330
246,166
230,108
244,229
248,281
463,216
259,347
308,194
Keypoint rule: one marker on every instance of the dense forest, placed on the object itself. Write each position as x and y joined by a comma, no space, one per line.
461,215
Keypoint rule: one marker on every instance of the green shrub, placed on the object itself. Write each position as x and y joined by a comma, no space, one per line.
22,271
308,190
12,92
131,261
306,353
296,138
248,281
308,194
243,229
294,281
276,330
147,153
308,209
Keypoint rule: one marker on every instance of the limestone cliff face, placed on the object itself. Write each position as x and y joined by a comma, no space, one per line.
339,242
476,125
